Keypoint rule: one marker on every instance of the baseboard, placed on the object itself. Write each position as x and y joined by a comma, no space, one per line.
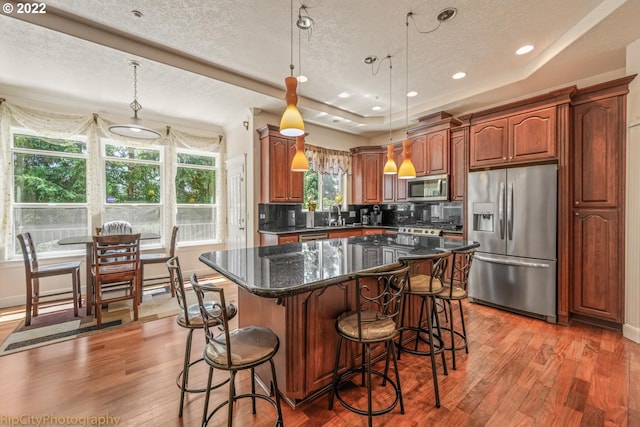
631,332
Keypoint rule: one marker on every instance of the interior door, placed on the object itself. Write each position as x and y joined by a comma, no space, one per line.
236,202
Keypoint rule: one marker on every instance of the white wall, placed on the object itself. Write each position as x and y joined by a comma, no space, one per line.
631,327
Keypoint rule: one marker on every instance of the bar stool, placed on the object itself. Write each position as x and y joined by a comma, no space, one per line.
375,320
189,317
232,351
426,279
456,290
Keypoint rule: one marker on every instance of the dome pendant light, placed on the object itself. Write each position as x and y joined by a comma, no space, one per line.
407,169
299,162
291,123
390,168
134,128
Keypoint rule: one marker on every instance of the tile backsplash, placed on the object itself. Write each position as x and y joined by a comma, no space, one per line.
446,214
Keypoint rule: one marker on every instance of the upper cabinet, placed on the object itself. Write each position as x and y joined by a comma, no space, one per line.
366,179
431,144
520,138
459,164
278,183
437,152
394,189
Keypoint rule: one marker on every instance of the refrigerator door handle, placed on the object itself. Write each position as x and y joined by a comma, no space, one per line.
510,212
512,262
501,210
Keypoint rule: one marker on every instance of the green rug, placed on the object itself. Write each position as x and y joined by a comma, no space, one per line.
57,323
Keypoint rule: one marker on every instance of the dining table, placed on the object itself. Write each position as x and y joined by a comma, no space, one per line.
87,240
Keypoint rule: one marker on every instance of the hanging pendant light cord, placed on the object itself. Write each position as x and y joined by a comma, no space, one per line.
291,22
410,14
390,99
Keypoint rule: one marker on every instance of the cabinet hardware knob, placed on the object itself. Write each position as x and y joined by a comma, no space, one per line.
504,158
577,202
576,214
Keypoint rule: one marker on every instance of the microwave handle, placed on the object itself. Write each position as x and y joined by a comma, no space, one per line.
440,187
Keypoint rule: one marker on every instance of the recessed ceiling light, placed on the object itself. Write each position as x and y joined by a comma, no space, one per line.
412,93
459,75
376,108
343,95
524,49
302,79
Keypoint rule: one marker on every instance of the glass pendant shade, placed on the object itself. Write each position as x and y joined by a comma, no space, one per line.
299,162
407,169
133,129
390,168
291,123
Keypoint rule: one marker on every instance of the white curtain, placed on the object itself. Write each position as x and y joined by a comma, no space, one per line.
60,126
324,160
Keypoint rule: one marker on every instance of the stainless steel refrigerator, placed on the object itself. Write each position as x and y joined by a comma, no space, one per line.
512,213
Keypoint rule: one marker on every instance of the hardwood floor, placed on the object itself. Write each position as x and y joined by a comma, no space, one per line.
519,372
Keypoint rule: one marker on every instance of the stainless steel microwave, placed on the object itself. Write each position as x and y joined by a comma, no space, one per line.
428,188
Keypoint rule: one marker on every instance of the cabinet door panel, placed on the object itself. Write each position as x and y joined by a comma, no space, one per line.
597,154
419,154
532,136
372,178
401,184
597,282
458,166
278,175
295,188
488,143
438,152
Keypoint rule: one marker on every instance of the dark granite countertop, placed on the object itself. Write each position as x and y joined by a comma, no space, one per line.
289,230
295,268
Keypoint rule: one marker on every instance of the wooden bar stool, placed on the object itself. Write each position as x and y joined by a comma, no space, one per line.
456,290
233,351
374,320
426,281
190,318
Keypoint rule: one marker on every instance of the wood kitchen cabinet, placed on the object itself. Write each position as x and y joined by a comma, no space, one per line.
520,138
597,273
437,152
345,233
366,178
278,183
596,290
278,239
394,189
459,164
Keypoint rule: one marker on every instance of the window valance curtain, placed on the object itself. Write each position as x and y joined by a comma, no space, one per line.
60,126
324,160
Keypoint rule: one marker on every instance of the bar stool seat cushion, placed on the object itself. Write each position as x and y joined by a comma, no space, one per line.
248,344
373,328
455,294
421,284
195,318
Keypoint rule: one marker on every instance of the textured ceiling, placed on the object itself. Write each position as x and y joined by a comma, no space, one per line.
208,62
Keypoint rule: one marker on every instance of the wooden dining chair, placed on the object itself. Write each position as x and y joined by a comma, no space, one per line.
162,258
34,272
116,270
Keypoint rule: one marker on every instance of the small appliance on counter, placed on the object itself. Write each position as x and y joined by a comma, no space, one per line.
310,219
376,216
364,216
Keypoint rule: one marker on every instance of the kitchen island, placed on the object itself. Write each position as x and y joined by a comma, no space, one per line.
299,289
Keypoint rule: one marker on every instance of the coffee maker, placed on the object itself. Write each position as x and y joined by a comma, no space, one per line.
364,216
376,216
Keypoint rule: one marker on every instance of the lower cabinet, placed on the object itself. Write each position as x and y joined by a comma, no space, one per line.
598,273
281,239
344,233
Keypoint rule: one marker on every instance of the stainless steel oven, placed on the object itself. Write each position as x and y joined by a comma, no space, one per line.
428,188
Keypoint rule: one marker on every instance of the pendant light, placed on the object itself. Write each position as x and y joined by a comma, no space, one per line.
390,168
299,162
134,128
407,169
291,123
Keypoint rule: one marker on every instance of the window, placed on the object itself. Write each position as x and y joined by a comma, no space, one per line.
196,196
324,188
49,189
133,187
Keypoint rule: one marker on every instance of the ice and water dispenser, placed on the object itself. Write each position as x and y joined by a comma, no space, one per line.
483,216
